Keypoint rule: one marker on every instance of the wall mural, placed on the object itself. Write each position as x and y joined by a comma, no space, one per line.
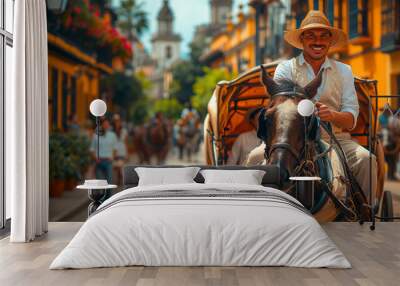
171,95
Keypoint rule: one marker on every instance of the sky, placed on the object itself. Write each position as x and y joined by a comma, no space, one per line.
188,14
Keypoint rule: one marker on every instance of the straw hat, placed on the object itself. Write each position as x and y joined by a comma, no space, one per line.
314,20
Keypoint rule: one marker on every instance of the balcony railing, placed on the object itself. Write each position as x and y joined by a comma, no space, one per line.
390,39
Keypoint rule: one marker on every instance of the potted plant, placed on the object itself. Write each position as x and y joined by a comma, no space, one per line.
57,166
76,158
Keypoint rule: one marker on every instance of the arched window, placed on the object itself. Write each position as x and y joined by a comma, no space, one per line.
168,52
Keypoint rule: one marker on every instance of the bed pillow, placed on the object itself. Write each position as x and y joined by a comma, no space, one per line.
166,176
248,177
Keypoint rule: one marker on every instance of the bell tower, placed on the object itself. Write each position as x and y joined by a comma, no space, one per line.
165,42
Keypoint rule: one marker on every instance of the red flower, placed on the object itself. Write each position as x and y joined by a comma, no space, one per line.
68,21
98,32
77,10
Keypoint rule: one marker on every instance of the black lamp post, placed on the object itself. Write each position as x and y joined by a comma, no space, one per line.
98,108
260,8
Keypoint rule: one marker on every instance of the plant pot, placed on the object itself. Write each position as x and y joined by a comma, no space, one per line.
56,188
70,184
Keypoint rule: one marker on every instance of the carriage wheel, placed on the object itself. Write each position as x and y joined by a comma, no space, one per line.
387,206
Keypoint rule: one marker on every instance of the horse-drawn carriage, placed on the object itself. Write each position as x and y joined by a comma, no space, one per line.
226,120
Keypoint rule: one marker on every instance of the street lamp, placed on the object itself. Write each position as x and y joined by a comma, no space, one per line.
261,25
98,108
305,108
57,6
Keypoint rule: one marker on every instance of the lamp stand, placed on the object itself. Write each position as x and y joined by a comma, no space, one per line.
98,137
305,136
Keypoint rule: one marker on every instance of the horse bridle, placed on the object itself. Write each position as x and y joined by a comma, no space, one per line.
295,93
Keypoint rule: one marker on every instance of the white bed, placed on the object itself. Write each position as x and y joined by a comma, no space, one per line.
267,229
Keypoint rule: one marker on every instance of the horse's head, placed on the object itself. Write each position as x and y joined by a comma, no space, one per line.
280,126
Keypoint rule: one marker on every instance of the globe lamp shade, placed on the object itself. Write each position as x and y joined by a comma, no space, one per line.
305,107
98,107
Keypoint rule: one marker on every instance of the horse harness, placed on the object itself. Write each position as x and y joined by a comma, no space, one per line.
306,162
312,129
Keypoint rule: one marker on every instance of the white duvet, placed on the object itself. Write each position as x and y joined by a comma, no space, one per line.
203,231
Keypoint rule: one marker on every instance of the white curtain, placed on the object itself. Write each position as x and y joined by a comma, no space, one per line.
27,158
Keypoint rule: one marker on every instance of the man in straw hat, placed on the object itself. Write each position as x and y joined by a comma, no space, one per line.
336,99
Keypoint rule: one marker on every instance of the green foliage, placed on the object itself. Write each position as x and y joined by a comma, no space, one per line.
132,19
197,48
170,107
56,156
139,110
204,87
127,93
69,155
184,74
126,89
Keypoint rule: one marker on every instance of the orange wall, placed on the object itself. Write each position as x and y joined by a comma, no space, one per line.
229,41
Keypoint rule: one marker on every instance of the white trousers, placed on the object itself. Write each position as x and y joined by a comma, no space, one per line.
358,161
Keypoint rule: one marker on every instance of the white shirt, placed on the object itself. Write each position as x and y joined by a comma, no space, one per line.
120,147
349,97
108,141
243,145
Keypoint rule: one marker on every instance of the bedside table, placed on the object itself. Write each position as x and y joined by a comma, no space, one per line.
95,194
305,190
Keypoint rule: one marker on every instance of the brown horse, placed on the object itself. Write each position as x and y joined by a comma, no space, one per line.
152,140
284,131
140,146
392,148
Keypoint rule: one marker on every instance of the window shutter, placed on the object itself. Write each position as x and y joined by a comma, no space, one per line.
353,18
316,4
330,11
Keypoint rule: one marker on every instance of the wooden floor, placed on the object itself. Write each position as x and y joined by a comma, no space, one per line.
375,257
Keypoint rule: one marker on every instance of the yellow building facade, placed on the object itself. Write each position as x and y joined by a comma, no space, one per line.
373,50
373,27
74,78
233,48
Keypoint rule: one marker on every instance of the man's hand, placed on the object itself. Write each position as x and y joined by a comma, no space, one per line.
340,119
324,112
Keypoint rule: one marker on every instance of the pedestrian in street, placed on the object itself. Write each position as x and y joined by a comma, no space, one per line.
121,146
107,150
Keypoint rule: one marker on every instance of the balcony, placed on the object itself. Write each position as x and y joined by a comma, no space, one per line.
89,30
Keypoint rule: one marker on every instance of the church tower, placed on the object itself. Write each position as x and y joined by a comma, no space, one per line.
165,43
220,9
